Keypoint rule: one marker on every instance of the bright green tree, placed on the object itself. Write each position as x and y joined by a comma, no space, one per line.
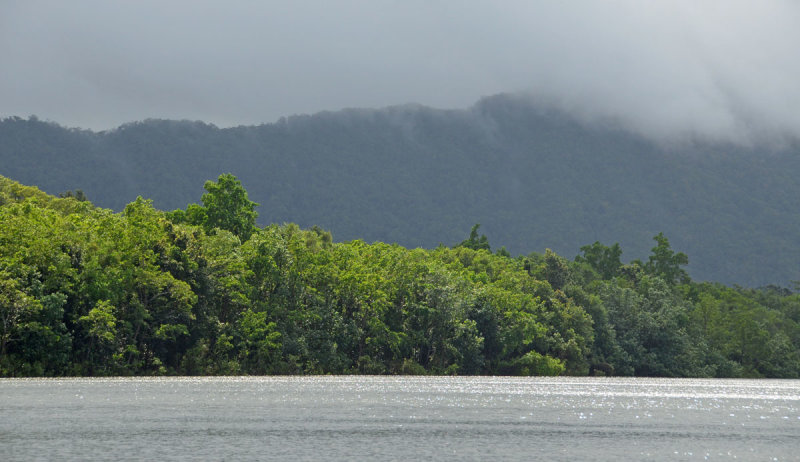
227,207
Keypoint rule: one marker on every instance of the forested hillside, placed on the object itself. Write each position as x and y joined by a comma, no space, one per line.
204,291
533,176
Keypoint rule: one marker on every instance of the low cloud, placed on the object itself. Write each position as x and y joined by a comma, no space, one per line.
668,69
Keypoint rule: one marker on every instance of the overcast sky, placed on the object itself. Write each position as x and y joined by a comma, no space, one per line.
726,69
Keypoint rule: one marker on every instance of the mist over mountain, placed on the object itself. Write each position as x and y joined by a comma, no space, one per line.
533,175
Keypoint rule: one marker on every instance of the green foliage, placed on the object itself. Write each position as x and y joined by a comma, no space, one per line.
84,291
667,264
604,260
533,363
16,308
78,194
227,207
474,241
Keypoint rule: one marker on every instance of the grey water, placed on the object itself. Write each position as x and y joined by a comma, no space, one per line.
398,418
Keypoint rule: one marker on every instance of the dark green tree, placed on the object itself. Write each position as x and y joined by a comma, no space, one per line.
78,194
603,259
474,241
556,270
665,263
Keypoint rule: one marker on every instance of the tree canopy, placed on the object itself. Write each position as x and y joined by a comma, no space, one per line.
86,291
225,206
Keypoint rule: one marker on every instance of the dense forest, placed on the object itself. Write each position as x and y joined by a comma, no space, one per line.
205,290
534,176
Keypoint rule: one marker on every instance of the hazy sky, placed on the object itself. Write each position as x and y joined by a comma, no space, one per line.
726,69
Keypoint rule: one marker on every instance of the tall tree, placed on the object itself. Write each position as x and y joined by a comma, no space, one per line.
474,241
228,207
665,263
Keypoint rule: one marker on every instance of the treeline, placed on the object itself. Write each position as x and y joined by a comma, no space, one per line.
205,291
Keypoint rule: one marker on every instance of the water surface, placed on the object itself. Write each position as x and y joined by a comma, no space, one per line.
399,418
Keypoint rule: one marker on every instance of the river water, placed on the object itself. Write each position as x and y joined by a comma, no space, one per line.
398,418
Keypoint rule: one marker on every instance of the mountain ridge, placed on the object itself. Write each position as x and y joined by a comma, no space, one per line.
534,176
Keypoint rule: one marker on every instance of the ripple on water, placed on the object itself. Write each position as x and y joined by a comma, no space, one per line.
347,417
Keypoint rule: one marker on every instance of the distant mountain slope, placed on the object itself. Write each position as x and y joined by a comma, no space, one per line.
532,176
